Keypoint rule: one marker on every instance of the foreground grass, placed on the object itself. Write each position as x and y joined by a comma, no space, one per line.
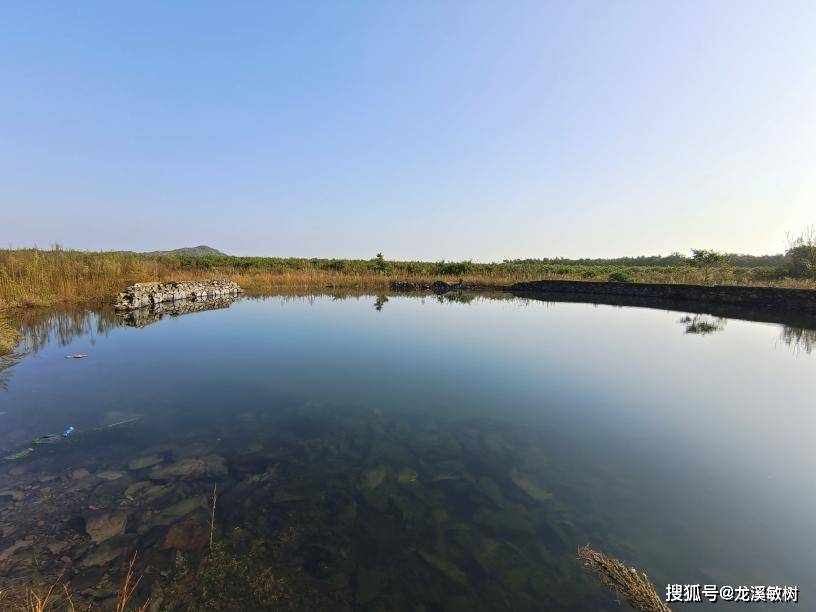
626,581
32,277
57,597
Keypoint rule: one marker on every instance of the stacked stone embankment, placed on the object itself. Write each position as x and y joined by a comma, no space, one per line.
775,298
142,295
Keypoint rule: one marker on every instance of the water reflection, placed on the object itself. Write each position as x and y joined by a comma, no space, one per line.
40,327
7,362
703,325
141,317
425,454
380,302
799,338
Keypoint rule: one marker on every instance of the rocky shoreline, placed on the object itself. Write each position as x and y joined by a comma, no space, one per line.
141,295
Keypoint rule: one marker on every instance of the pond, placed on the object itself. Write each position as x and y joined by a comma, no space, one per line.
405,452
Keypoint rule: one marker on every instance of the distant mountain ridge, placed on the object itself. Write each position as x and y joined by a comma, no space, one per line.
201,249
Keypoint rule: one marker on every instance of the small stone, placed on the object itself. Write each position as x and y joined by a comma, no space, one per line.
79,473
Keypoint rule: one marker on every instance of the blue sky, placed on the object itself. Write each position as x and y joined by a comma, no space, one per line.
426,130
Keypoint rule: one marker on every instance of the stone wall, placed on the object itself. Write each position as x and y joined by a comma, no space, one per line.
141,295
803,300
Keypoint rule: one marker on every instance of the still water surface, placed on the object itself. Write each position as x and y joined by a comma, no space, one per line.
415,453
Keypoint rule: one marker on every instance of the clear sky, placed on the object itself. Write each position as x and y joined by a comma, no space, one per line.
423,129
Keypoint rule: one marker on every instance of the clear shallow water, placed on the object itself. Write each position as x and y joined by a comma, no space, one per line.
389,454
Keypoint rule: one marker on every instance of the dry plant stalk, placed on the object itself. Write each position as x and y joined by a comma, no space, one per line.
71,607
212,514
633,585
35,603
128,588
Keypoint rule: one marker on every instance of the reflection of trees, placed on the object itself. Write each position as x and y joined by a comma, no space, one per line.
799,338
703,324
6,363
380,302
456,298
39,328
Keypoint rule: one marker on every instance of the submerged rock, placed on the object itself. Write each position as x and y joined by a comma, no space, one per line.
370,582
19,454
448,568
505,520
111,549
373,478
491,490
106,525
109,475
210,465
9,550
15,494
187,535
282,497
524,483
407,476
145,462
185,507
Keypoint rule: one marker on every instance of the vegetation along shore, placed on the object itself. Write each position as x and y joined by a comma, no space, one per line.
34,277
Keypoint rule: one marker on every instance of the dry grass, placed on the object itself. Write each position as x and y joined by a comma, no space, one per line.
49,600
212,514
32,277
627,581
36,602
128,588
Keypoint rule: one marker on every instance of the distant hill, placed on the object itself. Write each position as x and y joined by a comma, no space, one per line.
201,249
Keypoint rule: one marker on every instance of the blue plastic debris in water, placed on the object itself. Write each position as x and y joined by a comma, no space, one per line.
68,432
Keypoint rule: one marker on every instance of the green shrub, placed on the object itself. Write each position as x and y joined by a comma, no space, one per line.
619,276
